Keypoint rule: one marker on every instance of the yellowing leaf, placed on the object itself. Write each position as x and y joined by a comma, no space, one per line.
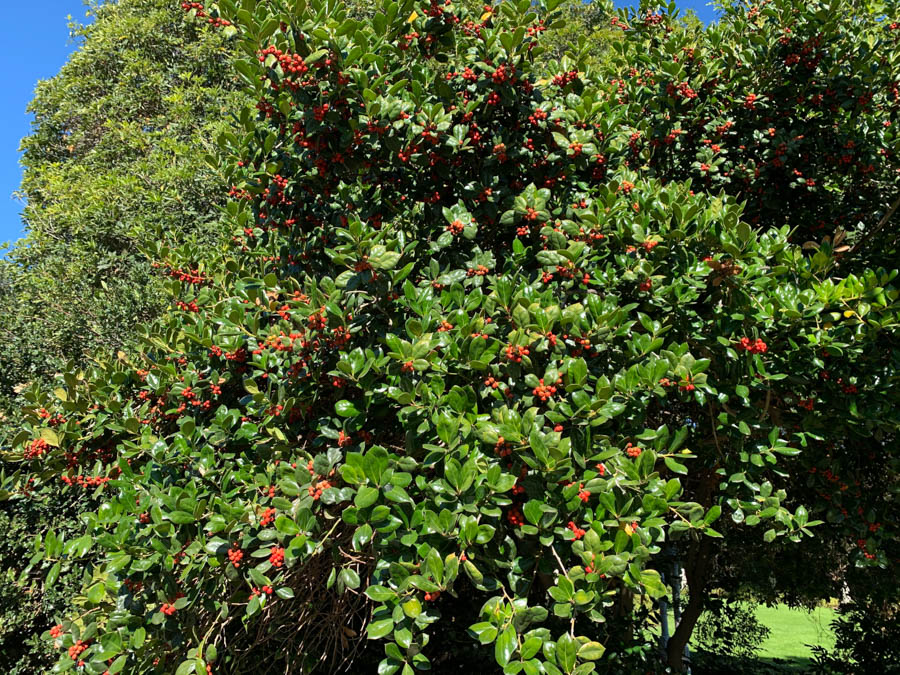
412,17
849,313
50,436
486,16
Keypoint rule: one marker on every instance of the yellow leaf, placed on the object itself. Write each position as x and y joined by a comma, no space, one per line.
412,17
486,16
849,313
50,436
629,530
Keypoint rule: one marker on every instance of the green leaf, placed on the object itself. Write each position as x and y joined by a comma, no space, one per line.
181,517
533,511
362,536
674,466
412,607
378,629
96,593
386,261
380,593
713,514
79,547
286,526
366,496
50,437
435,565
651,581
118,665
350,577
52,576
186,667
315,56
591,651
566,650
505,646
289,487
539,447
473,573
345,409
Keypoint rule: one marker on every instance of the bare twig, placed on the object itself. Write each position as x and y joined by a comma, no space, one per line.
765,410
561,565
712,421
875,230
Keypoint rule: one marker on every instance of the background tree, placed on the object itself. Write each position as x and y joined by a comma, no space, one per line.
114,163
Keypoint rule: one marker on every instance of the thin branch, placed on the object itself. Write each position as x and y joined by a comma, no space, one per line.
712,421
561,565
765,410
887,216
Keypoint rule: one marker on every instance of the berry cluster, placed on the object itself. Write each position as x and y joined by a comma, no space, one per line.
235,555
632,451
752,346
515,353
456,227
77,649
38,448
502,448
545,392
515,516
576,531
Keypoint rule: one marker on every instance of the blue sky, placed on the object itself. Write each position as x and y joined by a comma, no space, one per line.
35,44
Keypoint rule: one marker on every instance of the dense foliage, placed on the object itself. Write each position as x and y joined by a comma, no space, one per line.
114,161
484,341
730,629
866,640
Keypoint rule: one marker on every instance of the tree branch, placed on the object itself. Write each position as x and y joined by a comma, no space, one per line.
887,216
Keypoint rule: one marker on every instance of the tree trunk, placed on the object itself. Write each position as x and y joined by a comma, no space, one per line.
624,612
696,569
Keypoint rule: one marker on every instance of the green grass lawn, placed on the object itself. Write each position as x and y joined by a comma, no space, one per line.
794,629
787,649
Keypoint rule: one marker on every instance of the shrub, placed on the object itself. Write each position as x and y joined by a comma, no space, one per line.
28,604
466,365
114,161
866,640
730,628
